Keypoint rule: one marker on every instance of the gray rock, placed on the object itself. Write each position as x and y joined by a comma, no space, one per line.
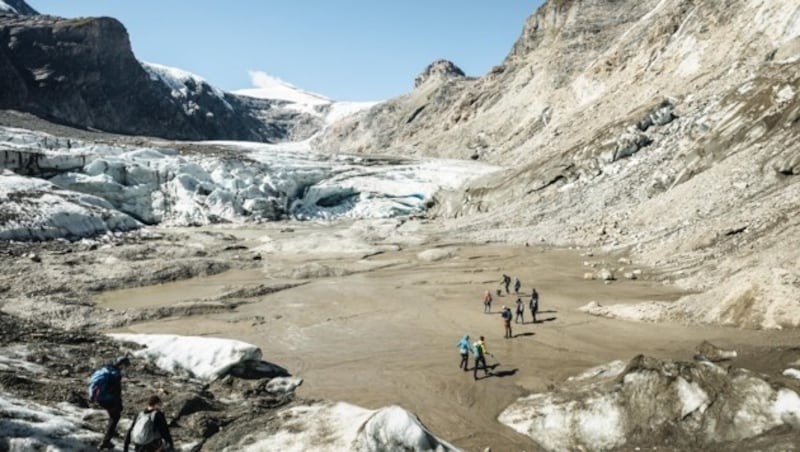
439,70
605,274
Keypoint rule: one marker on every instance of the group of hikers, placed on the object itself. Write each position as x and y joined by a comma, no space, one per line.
533,304
479,347
148,432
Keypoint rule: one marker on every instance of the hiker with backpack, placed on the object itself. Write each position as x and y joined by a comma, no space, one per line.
149,431
520,309
506,282
464,349
517,286
507,316
105,389
534,304
479,348
487,302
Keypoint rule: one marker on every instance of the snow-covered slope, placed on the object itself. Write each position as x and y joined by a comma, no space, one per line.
16,7
184,86
268,87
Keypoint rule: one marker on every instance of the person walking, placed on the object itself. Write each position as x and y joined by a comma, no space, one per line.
105,389
149,431
517,286
506,314
479,348
506,282
464,348
487,302
520,309
534,304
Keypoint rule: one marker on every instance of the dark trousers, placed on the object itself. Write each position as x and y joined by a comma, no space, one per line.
464,361
519,317
155,446
480,361
487,307
114,412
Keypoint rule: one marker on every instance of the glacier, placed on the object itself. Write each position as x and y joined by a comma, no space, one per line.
55,187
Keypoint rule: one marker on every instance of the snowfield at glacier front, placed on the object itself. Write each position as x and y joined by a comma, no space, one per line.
330,426
203,358
102,188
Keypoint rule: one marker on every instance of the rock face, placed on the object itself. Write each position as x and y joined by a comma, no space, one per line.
438,70
670,126
82,72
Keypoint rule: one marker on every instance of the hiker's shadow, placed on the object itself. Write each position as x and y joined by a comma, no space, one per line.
549,319
524,334
504,373
547,312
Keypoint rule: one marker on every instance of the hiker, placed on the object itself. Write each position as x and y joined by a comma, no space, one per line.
534,304
105,389
479,348
517,286
464,349
487,302
520,309
506,314
506,282
149,431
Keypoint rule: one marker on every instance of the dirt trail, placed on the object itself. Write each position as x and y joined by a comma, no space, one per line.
388,336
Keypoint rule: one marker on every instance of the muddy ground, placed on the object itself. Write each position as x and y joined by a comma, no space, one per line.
367,320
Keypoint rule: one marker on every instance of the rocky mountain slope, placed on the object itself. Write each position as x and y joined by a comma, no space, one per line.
17,7
667,129
83,73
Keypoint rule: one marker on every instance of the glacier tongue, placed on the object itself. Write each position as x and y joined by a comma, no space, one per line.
72,189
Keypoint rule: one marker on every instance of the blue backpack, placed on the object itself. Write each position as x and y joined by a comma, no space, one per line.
100,384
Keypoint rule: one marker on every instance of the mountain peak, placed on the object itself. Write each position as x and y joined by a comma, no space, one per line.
17,7
439,70
266,86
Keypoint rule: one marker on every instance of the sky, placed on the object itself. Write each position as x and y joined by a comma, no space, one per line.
359,50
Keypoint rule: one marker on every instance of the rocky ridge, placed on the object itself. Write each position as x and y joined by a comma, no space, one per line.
83,73
662,129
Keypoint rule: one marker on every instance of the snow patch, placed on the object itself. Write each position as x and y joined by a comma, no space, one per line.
202,358
784,95
436,254
555,423
587,90
692,397
27,425
792,373
269,87
691,54
4,7
340,426
609,370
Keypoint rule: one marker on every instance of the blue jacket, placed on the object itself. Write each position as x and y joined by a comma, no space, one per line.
463,345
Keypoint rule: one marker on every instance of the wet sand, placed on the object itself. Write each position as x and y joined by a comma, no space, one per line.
388,336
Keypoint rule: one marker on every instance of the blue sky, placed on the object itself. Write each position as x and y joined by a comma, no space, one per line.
344,49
